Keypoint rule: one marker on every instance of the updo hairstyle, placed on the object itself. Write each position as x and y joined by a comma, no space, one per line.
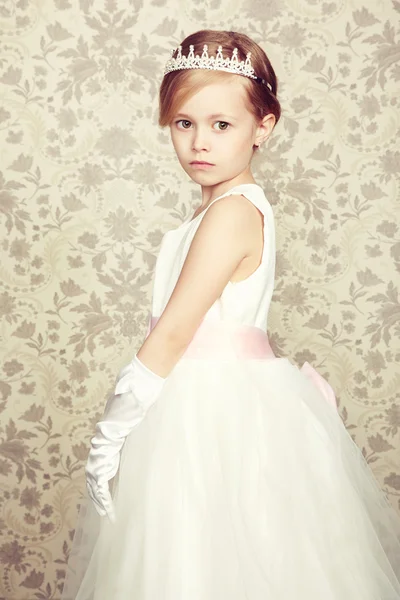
179,86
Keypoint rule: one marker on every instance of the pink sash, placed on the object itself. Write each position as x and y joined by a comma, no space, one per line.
216,339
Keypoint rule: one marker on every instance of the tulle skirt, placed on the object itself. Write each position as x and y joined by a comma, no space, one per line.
241,483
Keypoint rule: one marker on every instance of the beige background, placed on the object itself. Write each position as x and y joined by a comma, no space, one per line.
89,184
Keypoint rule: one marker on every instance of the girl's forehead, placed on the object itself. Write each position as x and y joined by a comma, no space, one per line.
227,96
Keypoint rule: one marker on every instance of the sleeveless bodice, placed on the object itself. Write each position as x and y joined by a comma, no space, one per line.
244,302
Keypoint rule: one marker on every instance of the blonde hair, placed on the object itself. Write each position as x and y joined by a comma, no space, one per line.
179,86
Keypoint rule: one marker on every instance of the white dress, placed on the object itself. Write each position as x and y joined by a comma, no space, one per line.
242,482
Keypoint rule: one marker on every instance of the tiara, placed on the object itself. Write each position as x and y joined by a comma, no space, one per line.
214,63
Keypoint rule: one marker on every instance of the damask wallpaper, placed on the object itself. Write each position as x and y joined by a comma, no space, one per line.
89,184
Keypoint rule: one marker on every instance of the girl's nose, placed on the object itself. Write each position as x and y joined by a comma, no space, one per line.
200,141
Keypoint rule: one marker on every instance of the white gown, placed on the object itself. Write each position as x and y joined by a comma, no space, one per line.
242,482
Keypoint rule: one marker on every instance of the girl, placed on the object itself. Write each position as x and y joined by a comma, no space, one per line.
236,476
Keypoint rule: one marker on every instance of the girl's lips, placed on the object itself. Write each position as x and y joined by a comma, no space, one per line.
201,165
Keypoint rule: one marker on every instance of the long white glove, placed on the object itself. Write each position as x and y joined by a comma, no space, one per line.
137,388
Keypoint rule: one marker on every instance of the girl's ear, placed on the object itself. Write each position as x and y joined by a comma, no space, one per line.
264,129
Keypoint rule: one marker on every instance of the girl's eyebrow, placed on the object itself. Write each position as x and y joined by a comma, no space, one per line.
221,116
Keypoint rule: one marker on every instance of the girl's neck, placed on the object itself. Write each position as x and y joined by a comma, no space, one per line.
209,193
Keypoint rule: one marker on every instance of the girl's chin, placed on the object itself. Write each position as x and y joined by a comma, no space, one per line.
202,177
209,176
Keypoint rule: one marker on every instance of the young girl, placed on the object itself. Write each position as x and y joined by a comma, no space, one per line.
237,479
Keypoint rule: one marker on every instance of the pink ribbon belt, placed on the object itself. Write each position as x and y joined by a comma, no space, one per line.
217,339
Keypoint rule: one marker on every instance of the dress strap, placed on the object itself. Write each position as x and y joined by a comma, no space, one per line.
252,191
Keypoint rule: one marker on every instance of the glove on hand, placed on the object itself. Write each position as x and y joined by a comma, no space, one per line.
137,388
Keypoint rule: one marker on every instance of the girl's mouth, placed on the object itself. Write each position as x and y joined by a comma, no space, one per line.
197,164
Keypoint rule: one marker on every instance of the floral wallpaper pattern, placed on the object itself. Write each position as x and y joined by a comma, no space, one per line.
89,184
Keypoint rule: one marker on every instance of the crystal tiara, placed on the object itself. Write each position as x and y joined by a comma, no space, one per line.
214,63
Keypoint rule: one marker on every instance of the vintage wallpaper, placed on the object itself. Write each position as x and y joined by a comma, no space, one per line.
89,184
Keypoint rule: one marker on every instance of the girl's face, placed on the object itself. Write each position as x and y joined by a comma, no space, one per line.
213,133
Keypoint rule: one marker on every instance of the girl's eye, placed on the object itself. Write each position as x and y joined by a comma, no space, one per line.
223,125
184,123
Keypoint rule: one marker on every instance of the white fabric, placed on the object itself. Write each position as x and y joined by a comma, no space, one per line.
241,483
245,302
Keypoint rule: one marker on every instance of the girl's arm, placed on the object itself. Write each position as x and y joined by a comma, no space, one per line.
223,238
